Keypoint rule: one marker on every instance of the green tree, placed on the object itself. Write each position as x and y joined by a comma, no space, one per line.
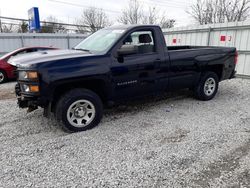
23,28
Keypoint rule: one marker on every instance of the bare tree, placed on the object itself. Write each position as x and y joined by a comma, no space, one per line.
1,26
7,28
237,10
167,23
220,11
92,19
52,25
134,13
154,16
151,17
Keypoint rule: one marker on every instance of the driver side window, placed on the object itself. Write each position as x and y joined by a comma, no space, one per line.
142,40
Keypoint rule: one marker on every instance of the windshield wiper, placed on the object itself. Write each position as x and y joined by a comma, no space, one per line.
85,50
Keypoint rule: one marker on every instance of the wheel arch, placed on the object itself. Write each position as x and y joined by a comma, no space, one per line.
216,68
98,86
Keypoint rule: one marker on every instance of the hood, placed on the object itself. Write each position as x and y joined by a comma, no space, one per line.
45,56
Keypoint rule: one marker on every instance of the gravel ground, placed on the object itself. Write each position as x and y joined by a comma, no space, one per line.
169,141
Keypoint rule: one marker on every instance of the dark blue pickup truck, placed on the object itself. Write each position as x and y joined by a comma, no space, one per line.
113,65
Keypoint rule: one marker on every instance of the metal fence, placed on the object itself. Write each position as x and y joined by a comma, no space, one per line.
236,34
12,41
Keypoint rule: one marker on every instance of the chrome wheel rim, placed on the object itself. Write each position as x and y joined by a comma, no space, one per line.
81,113
210,86
1,77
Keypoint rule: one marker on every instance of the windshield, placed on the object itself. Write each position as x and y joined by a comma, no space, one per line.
5,55
101,41
2,55
12,53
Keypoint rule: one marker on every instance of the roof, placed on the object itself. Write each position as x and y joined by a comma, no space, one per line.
127,27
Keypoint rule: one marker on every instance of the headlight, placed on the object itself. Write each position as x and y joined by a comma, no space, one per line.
33,75
31,88
26,88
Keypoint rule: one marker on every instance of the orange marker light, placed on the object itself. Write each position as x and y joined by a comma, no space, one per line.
34,88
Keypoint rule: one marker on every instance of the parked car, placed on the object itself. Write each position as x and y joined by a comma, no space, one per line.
113,65
8,71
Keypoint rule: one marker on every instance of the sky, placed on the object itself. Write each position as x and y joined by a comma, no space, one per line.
69,10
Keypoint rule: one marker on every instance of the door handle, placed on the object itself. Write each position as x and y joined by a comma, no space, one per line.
157,60
143,82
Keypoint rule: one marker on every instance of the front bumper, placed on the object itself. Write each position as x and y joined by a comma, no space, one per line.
25,101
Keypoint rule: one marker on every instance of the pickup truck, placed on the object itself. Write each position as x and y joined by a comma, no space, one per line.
113,65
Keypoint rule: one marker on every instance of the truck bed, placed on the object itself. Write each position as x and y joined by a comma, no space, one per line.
186,47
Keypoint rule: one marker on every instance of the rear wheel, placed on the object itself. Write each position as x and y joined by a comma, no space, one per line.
79,110
3,77
207,87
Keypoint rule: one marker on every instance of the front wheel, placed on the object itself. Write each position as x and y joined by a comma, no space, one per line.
79,110
207,87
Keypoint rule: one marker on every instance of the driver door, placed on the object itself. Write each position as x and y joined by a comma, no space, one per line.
134,73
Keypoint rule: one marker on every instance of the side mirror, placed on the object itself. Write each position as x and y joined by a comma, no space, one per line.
127,49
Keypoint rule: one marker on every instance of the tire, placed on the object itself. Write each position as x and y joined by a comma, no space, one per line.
3,76
207,87
79,110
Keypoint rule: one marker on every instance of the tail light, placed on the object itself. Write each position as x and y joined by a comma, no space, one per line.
236,58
